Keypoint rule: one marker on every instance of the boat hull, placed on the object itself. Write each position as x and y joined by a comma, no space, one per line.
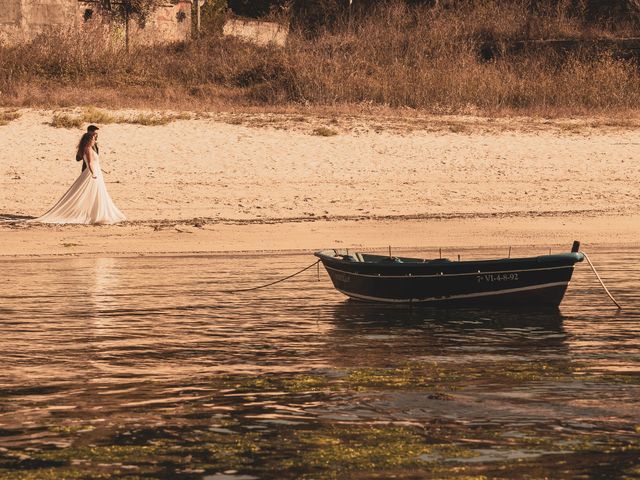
537,281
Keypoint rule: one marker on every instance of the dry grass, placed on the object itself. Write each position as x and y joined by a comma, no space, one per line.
324,132
94,115
101,117
8,116
425,59
150,120
62,120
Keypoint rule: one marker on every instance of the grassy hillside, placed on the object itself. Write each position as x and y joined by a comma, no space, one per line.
420,57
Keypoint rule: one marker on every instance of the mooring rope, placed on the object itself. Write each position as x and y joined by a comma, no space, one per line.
273,283
601,282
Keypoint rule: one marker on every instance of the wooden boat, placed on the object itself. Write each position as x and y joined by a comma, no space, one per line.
526,282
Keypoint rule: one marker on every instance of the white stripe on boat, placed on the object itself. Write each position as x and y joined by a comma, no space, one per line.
407,275
455,297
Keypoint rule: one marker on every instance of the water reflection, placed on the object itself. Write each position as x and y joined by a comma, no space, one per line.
359,314
440,334
108,365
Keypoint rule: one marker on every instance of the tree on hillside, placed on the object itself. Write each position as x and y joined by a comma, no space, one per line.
212,17
251,8
125,10
258,8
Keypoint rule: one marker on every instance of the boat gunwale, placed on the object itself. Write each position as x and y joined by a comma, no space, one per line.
573,257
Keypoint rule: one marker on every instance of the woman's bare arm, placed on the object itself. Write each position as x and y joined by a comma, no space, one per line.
88,153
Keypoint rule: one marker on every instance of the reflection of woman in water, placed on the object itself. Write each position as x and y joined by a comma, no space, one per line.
87,201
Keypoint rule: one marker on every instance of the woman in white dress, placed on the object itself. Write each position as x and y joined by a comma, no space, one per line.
87,201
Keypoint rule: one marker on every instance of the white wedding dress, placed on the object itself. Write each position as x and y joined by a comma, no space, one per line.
87,201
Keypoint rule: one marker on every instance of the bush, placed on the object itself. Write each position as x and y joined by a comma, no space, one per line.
61,120
8,116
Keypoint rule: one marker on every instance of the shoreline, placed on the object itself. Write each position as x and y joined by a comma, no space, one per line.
524,234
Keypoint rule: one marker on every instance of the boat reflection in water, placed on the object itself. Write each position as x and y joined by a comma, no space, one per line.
354,313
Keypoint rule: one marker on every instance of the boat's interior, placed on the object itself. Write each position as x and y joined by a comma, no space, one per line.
370,258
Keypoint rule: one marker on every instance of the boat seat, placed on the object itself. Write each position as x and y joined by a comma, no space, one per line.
439,260
390,260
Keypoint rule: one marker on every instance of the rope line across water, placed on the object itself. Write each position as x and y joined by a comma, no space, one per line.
273,283
599,279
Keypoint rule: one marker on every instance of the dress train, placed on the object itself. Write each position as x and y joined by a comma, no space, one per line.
87,201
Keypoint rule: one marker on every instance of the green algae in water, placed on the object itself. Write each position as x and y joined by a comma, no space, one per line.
407,377
56,474
415,377
534,371
294,383
330,450
341,451
71,429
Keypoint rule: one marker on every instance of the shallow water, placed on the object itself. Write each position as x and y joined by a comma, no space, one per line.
145,368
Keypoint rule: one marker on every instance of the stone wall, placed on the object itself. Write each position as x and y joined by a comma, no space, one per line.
260,33
23,19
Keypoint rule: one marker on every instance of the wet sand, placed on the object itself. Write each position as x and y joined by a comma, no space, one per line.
258,182
526,235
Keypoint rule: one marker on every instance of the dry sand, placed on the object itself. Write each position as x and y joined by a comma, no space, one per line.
258,182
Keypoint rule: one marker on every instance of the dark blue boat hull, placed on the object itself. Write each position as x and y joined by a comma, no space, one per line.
535,281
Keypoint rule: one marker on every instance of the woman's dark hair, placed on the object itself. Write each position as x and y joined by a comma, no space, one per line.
84,141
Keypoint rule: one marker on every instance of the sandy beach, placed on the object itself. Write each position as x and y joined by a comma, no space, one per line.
254,182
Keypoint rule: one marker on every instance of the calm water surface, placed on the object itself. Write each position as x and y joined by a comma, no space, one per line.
145,368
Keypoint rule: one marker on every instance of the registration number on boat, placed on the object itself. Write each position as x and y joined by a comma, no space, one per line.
497,277
340,277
